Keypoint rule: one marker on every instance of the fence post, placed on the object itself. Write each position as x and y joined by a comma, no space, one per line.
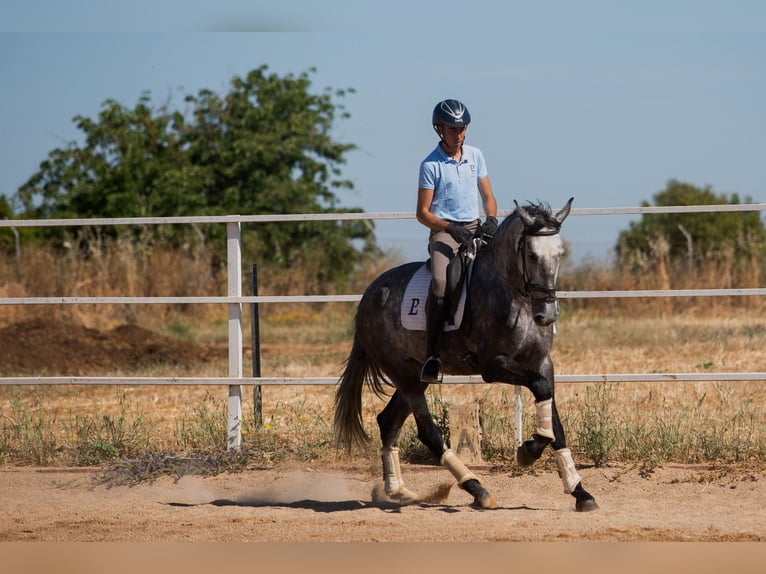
234,264
255,345
517,415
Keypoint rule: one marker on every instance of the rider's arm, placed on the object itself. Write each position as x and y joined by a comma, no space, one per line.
423,211
487,197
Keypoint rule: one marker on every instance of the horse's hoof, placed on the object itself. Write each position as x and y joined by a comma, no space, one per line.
586,505
488,501
404,496
584,501
481,497
525,456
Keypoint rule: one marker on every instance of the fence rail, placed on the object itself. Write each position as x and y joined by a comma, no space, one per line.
382,215
653,293
234,301
448,380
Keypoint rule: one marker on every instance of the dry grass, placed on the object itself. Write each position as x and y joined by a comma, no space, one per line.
638,336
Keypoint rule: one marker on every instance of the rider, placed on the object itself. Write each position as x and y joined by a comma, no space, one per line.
448,204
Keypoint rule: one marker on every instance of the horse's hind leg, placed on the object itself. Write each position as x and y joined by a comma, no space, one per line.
390,421
430,435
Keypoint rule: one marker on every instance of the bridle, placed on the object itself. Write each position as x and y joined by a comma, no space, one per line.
535,291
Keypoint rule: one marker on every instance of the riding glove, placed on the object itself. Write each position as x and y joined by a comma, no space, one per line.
489,227
459,233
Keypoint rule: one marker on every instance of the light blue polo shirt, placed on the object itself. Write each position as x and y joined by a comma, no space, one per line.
455,184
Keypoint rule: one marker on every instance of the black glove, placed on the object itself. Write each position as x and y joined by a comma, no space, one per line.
489,227
459,233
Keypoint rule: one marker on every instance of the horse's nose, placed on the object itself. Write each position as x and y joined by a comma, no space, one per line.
543,320
544,313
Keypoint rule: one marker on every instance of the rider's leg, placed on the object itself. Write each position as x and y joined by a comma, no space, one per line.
436,315
442,248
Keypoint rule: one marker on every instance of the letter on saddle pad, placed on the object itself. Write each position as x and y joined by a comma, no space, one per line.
413,313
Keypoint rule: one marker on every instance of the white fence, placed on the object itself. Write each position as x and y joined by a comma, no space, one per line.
234,301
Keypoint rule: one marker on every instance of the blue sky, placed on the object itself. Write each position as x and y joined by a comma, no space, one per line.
600,100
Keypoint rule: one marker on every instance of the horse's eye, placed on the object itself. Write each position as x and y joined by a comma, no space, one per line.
534,257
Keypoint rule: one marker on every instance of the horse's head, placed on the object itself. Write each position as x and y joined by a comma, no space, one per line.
539,248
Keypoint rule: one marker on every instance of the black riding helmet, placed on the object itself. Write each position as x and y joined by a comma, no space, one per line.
451,113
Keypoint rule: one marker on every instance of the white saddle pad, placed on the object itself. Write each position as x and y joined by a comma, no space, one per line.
413,313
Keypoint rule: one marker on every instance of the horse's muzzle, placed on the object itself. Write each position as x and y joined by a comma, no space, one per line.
545,306
545,312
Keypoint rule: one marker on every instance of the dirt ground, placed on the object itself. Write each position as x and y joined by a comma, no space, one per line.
320,504
308,504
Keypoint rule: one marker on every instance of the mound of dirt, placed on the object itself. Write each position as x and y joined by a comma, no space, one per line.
51,348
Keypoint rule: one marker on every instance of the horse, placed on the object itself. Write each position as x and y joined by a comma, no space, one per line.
506,335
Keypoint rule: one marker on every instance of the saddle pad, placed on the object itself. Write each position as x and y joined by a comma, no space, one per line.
413,312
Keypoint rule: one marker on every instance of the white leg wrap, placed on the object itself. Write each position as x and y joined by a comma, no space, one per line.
457,468
544,419
567,470
392,476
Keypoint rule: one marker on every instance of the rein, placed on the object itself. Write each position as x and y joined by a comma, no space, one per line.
534,291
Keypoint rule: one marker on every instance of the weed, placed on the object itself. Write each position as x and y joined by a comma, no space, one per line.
102,438
151,465
593,425
498,428
28,432
203,426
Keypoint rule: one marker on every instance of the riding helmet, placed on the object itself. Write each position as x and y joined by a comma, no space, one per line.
451,113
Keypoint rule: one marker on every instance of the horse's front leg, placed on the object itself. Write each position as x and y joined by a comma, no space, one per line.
531,450
548,427
504,369
566,467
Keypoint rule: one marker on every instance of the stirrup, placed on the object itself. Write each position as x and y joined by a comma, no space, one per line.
431,372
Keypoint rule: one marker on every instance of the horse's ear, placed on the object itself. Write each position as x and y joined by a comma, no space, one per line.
525,217
562,215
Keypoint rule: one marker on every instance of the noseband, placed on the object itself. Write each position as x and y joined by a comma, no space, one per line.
535,291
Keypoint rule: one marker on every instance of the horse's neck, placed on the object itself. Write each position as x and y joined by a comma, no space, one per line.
503,257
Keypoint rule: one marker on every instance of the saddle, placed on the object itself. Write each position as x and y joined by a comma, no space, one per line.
413,310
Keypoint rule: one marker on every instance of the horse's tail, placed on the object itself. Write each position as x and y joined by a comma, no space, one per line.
349,428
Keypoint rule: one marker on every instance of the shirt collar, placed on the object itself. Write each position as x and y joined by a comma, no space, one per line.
445,157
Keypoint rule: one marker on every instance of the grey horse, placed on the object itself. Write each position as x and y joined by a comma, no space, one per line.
506,336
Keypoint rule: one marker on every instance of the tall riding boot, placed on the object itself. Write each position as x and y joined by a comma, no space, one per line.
436,315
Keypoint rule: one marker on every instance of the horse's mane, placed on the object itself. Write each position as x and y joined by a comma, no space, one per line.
541,209
543,216
540,212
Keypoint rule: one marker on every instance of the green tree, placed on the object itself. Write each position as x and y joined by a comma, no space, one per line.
6,235
691,238
265,147
128,166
